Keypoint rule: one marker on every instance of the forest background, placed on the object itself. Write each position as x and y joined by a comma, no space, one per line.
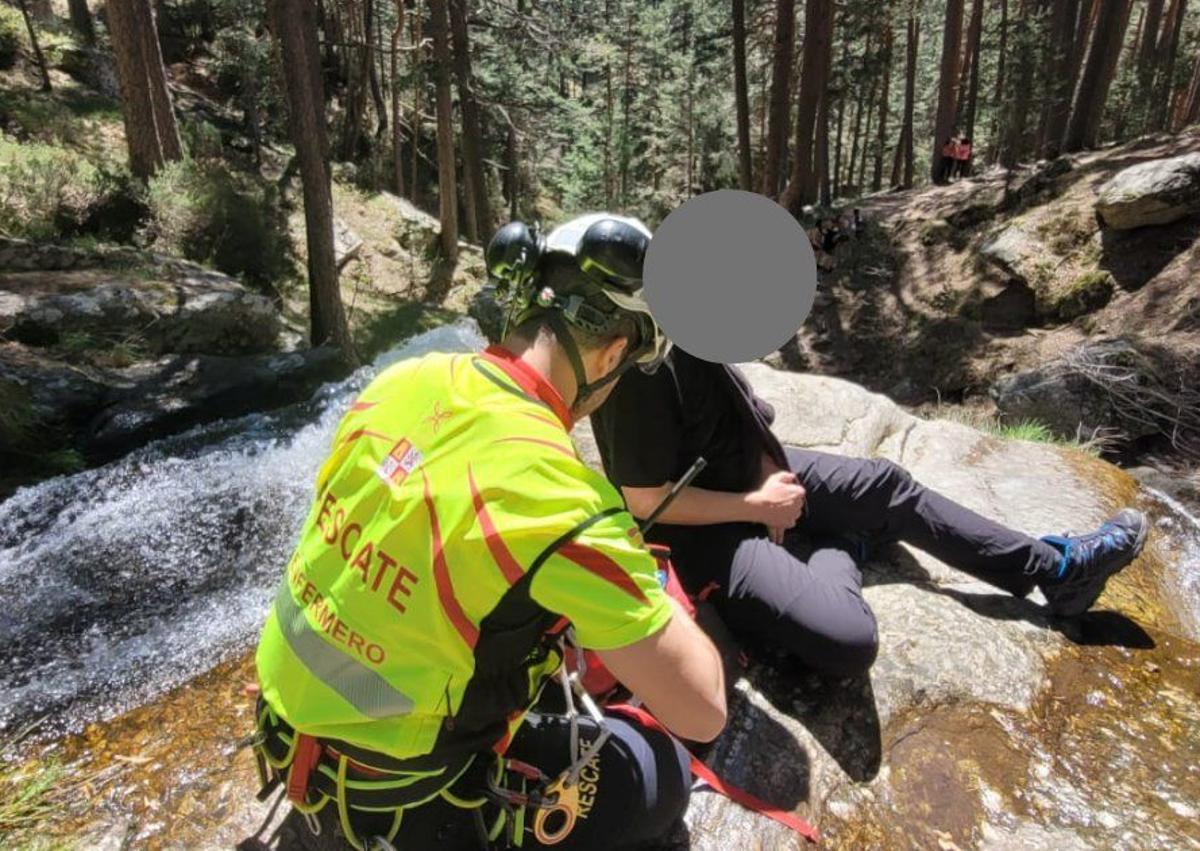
537,109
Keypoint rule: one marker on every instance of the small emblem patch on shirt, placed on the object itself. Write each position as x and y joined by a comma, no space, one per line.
401,461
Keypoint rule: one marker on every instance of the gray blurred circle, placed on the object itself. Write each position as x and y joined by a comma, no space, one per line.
730,276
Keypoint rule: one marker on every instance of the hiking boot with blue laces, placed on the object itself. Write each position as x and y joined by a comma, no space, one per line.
1089,560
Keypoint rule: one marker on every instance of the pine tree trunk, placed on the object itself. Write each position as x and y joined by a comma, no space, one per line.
474,174
417,81
38,56
812,107
969,58
1061,82
970,104
690,169
869,108
150,130
160,95
1169,48
836,172
1148,52
609,116
355,74
369,15
1083,128
397,133
741,97
512,162
1188,109
881,143
947,82
777,120
856,133
447,179
1124,106
902,165
626,108
1001,79
81,20
821,152
295,30
1017,108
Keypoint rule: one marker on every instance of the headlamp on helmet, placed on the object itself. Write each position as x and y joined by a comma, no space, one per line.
609,251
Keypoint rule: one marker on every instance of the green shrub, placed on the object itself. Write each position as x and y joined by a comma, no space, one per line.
206,214
45,190
12,36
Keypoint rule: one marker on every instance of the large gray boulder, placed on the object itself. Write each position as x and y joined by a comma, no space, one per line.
187,310
1012,250
1151,193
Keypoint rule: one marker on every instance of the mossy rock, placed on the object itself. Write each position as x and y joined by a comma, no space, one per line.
971,215
1086,294
936,231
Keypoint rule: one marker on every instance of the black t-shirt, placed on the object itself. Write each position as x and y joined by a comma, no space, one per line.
653,427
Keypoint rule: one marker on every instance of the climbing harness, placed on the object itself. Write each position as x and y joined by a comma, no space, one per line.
315,772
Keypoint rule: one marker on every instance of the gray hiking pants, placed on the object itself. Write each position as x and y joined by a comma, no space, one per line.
805,596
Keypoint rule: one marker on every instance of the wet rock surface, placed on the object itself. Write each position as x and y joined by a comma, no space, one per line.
106,349
984,724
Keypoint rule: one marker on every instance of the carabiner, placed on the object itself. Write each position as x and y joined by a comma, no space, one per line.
565,808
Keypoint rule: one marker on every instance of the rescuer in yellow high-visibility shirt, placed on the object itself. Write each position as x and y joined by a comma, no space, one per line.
455,531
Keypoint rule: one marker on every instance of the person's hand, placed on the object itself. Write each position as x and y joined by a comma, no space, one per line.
775,534
779,502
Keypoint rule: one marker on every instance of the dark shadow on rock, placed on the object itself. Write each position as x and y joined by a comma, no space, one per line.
839,713
892,564
679,839
1093,629
758,754
1133,257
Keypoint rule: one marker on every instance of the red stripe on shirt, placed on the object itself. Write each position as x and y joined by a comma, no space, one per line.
504,558
363,406
441,576
601,565
541,419
547,443
363,432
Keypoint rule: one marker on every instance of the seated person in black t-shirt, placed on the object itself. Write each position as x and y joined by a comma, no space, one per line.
730,530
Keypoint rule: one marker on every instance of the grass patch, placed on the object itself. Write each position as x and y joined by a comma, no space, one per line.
1029,430
71,116
28,800
382,331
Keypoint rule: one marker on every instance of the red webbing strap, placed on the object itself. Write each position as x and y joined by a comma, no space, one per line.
308,753
706,774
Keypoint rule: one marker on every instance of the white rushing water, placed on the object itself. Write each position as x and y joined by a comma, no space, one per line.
121,582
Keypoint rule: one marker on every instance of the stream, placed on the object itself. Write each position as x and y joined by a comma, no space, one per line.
122,582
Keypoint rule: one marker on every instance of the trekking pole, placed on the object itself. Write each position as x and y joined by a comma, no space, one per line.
684,480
